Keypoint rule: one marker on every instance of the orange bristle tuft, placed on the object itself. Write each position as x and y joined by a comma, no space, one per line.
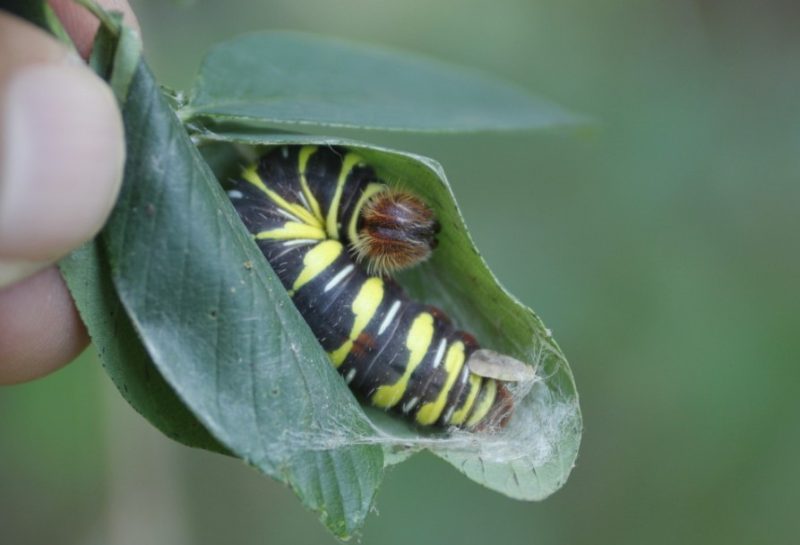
397,230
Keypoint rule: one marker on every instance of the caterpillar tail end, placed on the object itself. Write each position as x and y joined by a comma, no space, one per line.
500,413
501,370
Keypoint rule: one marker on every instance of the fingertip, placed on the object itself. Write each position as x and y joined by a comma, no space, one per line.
61,157
40,329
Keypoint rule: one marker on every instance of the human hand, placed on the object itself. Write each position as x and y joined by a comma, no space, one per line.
62,151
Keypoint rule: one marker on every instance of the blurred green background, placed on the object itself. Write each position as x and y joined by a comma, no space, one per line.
661,247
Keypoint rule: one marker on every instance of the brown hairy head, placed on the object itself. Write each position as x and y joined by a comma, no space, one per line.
396,230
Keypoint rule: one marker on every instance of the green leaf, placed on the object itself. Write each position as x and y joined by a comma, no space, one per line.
533,456
121,351
127,56
284,79
216,324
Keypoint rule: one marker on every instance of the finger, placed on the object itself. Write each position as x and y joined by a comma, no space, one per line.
61,150
41,330
82,25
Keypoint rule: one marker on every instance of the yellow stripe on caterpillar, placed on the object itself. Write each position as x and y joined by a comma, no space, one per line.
369,191
485,404
292,230
453,362
305,154
461,414
364,307
316,261
350,161
250,174
418,341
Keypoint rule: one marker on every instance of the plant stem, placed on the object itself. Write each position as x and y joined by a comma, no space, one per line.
105,18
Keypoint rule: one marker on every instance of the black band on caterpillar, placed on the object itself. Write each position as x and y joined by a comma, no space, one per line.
309,209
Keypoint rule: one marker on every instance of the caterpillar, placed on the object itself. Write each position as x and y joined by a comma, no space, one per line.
334,233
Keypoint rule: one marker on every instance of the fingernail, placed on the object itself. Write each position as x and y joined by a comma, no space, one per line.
61,157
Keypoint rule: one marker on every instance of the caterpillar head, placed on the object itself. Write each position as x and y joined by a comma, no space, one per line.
396,230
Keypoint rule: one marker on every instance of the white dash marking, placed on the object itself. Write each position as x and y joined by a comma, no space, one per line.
439,353
235,194
336,280
298,241
464,375
449,413
285,152
286,214
410,404
303,200
389,316
351,374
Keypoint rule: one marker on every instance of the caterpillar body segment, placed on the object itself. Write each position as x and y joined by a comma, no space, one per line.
323,220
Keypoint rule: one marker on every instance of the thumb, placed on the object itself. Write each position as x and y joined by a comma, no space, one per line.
61,150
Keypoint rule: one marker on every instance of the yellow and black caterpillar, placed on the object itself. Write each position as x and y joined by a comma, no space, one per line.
333,231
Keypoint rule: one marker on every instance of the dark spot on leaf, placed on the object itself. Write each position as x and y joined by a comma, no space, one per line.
213,313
